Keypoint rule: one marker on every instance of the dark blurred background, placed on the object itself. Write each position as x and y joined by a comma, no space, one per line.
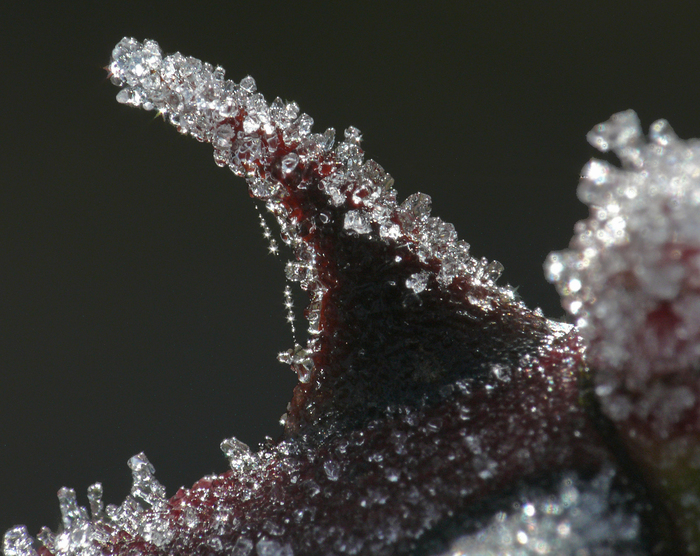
140,310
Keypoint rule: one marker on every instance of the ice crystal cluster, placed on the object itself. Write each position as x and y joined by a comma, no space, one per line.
631,277
141,514
435,413
577,520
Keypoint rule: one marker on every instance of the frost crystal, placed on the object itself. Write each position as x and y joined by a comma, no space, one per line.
17,542
357,221
418,281
238,454
632,271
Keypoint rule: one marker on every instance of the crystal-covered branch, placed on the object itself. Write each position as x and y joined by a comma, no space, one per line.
313,187
434,413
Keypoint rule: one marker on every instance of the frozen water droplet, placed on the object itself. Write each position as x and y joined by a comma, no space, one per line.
662,133
501,372
125,96
328,138
223,137
418,281
621,130
353,135
70,511
301,361
145,486
190,518
95,499
269,547
492,271
415,209
261,189
304,125
250,125
156,530
357,221
273,528
296,271
332,469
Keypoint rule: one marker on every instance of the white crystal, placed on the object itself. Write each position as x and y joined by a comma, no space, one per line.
243,547
352,134
17,542
70,511
415,209
156,530
418,281
357,221
80,531
95,499
492,271
290,162
301,361
248,84
260,188
238,453
620,132
145,486
269,547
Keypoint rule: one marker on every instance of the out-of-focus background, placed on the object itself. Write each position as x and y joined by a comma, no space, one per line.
139,309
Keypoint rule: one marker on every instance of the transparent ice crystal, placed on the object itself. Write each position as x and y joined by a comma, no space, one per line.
18,542
418,281
631,276
631,279
579,519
